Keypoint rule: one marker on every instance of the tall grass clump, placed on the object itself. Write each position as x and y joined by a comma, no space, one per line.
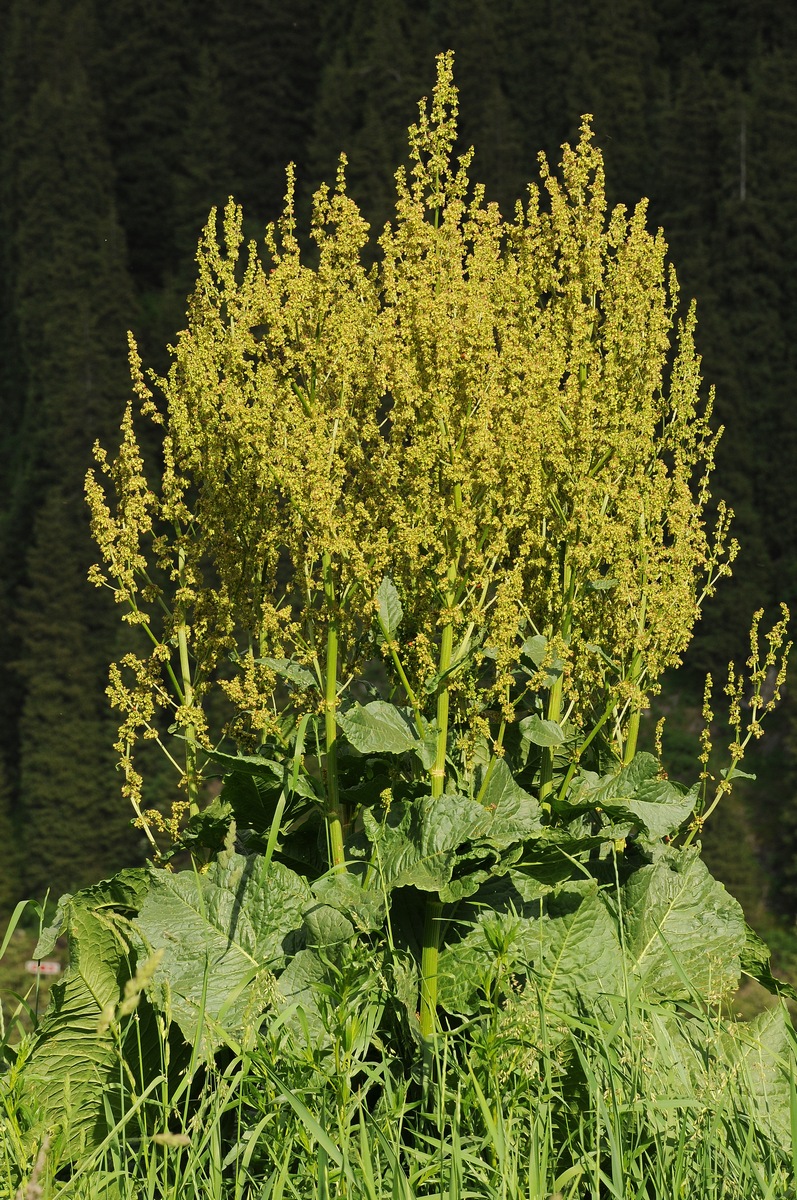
424,539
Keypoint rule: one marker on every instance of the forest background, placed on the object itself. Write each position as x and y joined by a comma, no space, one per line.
122,123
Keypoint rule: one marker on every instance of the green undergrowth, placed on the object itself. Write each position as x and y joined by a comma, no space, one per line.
233,1033
429,535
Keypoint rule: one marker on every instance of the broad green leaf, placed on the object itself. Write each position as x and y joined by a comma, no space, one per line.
626,781
682,928
252,798
736,773
72,1068
542,733
50,935
575,947
220,930
595,792
378,727
290,670
464,887
426,749
404,972
390,610
299,985
601,585
123,892
755,961
467,967
418,843
206,830
519,890
657,805
463,970
572,948
326,926
535,648
248,764
512,814
762,1052
365,907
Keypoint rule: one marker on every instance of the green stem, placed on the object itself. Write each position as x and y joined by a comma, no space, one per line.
629,750
499,741
553,713
402,674
632,734
430,956
554,710
571,770
192,781
334,817
433,926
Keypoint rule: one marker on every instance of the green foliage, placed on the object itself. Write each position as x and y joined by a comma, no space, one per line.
71,299
431,532
671,98
574,1065
221,936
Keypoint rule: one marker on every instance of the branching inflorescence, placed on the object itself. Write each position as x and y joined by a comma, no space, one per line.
496,435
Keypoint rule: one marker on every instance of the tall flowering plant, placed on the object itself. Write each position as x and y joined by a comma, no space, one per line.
426,536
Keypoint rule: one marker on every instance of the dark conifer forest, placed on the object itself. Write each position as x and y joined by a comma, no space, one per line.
123,123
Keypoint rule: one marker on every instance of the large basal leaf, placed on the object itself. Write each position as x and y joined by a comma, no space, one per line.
466,968
298,991
682,927
755,961
768,1064
419,842
575,948
657,805
379,727
123,893
72,1069
220,932
512,815
570,945
365,907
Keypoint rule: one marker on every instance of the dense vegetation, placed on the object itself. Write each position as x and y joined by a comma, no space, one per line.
121,125
413,552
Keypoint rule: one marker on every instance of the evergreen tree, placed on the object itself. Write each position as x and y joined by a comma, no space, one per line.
375,65
267,58
72,298
17,70
203,177
142,65
10,884
481,37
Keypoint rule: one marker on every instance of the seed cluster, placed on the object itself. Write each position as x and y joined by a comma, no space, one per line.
486,417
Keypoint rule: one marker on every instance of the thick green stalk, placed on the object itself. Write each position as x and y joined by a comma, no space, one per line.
432,930
433,927
596,728
334,817
629,750
554,709
191,776
632,734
